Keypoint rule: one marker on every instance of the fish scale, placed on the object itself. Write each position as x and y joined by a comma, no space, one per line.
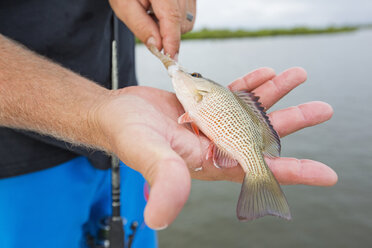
223,120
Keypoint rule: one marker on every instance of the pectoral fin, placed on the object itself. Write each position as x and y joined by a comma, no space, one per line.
185,118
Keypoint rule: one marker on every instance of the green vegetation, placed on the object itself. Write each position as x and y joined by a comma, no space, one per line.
225,33
240,33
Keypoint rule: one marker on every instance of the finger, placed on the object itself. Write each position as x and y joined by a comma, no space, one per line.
252,80
134,15
169,16
187,6
273,90
290,120
286,171
210,172
307,172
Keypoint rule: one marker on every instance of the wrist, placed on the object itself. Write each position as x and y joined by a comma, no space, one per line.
107,118
97,122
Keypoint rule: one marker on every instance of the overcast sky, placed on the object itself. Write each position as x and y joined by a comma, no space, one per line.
252,14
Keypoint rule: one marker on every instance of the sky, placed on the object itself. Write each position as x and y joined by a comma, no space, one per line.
252,14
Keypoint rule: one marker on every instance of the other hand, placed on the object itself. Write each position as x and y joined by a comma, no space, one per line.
165,27
141,123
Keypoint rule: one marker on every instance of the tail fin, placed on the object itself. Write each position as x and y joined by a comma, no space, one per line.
261,196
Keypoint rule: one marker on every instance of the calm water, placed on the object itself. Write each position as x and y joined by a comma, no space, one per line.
339,72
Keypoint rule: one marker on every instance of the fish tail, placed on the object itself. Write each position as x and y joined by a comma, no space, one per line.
260,196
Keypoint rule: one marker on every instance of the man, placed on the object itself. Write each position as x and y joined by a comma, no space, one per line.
50,195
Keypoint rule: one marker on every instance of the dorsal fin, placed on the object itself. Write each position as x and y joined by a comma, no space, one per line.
271,139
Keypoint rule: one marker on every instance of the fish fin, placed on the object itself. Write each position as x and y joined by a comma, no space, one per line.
209,151
271,140
195,128
221,159
184,118
260,196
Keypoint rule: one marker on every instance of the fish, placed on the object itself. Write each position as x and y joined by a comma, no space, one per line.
240,133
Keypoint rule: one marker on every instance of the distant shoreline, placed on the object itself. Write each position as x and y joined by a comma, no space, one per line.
241,33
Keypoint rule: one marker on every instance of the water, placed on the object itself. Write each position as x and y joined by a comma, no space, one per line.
339,72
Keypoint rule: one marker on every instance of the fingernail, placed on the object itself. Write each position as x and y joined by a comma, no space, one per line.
161,228
151,41
176,57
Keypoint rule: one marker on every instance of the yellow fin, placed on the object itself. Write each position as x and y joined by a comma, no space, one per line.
261,196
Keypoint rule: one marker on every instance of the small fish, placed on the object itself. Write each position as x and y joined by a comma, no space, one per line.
240,134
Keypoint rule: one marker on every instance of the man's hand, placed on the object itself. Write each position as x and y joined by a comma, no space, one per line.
141,123
165,27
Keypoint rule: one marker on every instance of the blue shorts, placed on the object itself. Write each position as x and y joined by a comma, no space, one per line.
57,207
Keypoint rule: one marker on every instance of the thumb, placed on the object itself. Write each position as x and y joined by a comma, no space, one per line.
166,172
170,189
135,17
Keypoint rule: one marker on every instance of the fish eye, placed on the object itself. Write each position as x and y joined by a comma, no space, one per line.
196,74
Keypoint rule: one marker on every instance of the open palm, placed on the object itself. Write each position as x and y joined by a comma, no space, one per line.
142,121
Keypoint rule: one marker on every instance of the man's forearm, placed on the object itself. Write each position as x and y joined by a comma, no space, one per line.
39,95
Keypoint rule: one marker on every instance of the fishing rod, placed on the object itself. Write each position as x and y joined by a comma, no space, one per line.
111,233
116,231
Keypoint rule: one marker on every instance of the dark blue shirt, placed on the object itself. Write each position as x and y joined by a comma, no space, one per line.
75,34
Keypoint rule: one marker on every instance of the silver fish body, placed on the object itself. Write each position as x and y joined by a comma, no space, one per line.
240,133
